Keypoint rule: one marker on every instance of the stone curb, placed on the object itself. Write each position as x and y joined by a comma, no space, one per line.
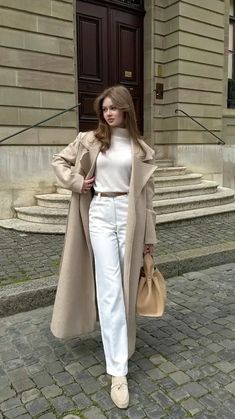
27,296
41,292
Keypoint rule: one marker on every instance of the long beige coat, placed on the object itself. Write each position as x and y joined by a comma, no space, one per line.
75,304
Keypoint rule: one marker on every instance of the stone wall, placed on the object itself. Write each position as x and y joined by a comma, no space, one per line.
24,172
37,70
189,61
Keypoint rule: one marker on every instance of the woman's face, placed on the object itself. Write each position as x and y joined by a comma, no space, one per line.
112,115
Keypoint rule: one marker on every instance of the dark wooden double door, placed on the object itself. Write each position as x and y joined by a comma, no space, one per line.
110,52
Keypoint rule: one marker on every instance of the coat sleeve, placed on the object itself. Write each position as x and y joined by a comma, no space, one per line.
63,164
150,226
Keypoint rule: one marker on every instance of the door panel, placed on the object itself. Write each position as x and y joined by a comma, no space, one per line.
127,63
109,52
89,59
92,59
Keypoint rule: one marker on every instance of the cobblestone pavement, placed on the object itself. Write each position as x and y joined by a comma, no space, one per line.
29,256
184,364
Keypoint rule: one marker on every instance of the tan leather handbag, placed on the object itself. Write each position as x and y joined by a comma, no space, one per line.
151,296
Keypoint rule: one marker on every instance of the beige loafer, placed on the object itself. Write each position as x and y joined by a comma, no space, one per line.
119,392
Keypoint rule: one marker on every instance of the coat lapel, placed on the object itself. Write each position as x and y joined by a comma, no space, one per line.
141,170
88,158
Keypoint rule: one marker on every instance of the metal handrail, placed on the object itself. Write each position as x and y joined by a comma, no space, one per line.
203,126
39,123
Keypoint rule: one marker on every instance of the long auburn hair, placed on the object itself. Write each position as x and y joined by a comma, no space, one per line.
121,99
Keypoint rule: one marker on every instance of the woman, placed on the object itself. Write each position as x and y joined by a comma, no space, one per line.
111,224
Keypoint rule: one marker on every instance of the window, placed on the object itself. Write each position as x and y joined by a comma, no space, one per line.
231,56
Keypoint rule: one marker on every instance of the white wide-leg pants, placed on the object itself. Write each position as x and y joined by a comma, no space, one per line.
107,225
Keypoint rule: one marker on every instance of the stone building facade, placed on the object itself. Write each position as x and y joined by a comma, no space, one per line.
187,49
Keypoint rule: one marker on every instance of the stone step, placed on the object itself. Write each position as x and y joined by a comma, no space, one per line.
32,227
170,171
201,215
164,162
222,196
55,200
45,215
61,190
206,187
186,179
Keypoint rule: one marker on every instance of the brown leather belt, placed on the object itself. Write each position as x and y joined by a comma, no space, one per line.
110,194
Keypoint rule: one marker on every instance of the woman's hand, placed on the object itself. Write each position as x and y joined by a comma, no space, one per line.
87,185
148,248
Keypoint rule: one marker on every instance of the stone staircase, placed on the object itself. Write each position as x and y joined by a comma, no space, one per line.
179,196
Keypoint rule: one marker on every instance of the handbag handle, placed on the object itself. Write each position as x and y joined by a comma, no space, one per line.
148,266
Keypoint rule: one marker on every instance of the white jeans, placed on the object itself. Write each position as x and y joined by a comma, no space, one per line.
107,225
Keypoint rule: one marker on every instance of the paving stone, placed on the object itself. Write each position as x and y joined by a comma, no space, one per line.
90,385
16,412
230,405
23,385
35,368
231,387
51,391
6,393
135,412
63,378
176,412
104,380
178,394
4,382
97,370
222,378
54,367
192,406
225,366
10,404
37,406
210,402
154,411
144,364
195,389
155,374
74,368
162,399
88,361
102,398
168,367
19,374
42,379
72,389
180,377
157,359
82,401
71,417
30,395
62,404
137,396
93,413
148,385
160,356
167,383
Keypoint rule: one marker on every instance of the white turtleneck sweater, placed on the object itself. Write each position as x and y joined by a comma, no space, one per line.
113,167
